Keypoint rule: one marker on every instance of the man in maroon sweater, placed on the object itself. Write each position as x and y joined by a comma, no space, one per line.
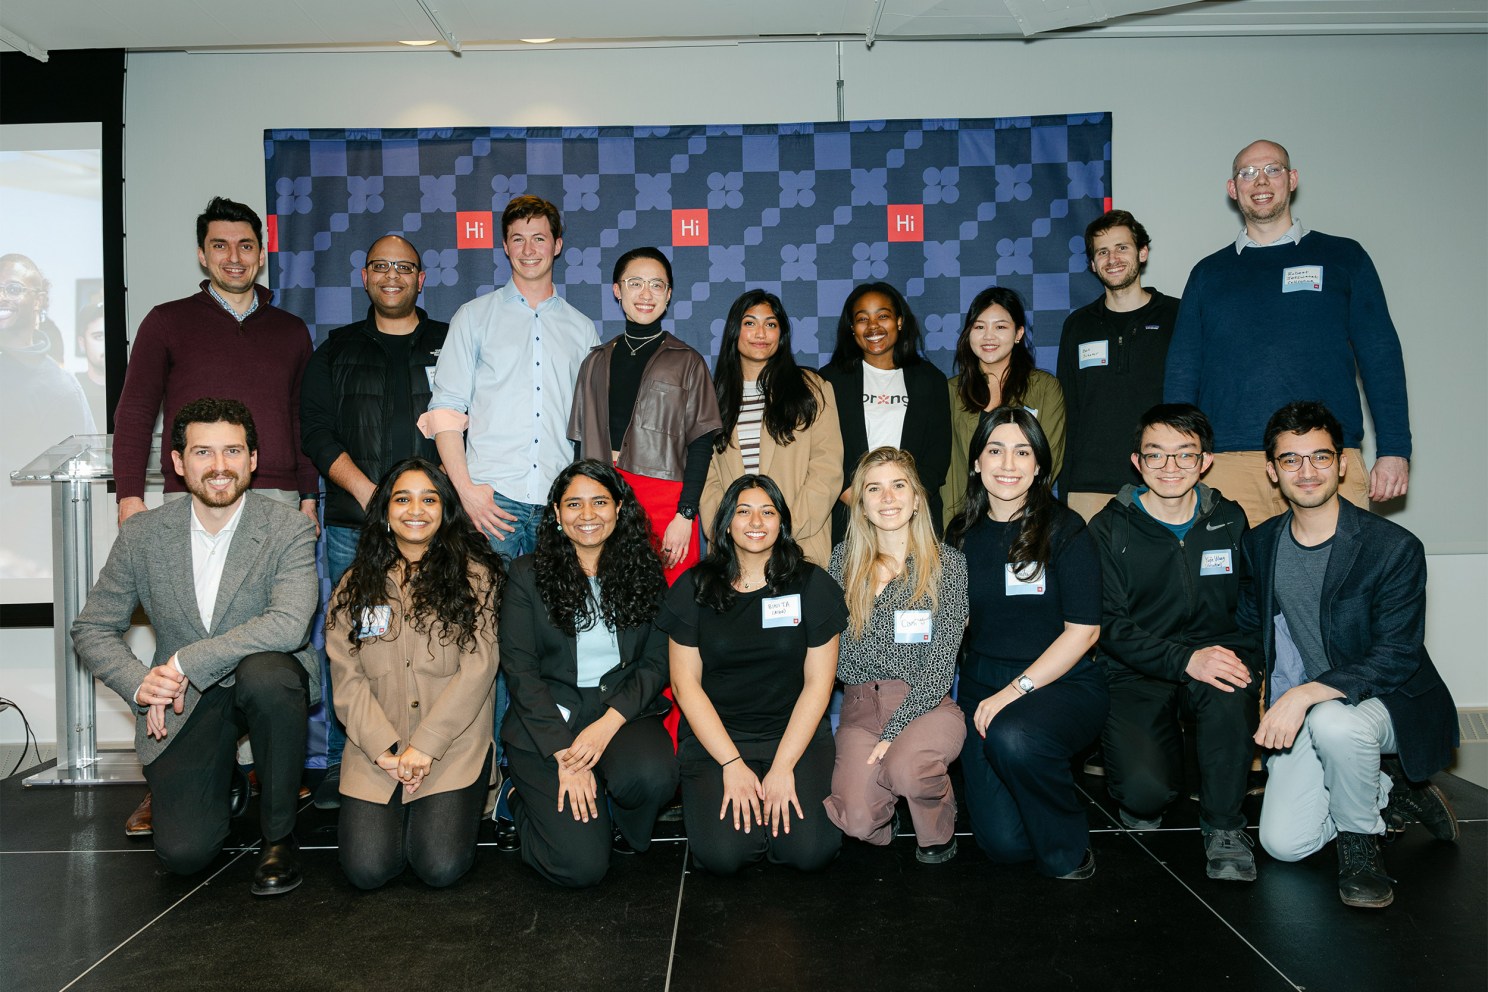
228,341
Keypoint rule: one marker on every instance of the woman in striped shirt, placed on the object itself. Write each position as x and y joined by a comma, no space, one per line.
779,420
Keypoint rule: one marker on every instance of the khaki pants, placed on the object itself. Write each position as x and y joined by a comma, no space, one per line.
1241,475
1087,505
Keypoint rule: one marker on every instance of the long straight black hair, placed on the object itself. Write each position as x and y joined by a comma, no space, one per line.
972,389
792,403
1030,549
717,572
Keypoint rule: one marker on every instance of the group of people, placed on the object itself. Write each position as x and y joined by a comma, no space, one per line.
518,512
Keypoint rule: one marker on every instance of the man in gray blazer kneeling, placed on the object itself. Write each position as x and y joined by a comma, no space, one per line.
227,578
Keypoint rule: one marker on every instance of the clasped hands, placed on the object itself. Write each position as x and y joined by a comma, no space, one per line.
407,768
163,686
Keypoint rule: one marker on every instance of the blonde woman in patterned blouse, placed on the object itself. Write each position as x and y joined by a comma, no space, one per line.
906,599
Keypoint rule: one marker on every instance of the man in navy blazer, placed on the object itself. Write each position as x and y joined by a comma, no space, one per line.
1339,598
227,578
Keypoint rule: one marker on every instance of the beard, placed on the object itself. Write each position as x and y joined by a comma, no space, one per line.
199,489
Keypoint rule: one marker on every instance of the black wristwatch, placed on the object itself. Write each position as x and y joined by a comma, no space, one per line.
687,512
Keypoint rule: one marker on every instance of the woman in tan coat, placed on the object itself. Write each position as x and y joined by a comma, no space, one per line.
778,420
411,637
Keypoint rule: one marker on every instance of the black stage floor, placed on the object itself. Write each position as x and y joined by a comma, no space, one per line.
86,908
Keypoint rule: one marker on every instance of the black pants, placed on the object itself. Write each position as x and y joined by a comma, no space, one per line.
433,835
813,842
1020,792
636,776
190,779
1143,741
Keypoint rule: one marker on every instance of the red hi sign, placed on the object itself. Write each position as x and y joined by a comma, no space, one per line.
689,227
474,229
906,222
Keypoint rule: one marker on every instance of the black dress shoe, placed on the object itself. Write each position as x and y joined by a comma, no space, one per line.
619,845
507,838
278,868
238,792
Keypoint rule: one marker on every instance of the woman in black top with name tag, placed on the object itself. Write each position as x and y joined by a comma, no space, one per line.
1032,695
754,630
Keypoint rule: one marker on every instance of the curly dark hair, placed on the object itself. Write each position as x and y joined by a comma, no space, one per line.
717,572
457,585
631,578
1030,550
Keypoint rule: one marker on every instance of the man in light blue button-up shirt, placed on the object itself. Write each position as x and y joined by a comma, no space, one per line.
505,381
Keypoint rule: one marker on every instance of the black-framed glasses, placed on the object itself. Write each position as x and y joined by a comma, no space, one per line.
381,266
635,284
1290,461
1273,170
1183,459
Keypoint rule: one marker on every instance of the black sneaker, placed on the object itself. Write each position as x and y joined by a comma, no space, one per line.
328,792
1228,856
1362,881
1424,804
936,854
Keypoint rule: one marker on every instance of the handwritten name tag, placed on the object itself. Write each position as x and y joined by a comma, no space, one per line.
781,611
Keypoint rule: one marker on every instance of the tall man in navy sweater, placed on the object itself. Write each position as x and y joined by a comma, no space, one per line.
364,390
1356,714
1282,314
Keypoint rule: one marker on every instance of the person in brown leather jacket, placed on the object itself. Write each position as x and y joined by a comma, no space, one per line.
644,403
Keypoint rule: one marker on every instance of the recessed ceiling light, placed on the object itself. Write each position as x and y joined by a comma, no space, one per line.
419,44
538,41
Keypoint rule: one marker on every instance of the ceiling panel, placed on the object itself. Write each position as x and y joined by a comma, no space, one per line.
194,24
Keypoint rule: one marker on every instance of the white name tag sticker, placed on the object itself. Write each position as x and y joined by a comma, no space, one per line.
1032,411
1302,277
1093,353
1015,586
781,611
429,371
912,626
375,622
563,711
1217,563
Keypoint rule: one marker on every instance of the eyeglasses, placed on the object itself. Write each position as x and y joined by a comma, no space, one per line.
1184,459
382,265
15,290
1291,461
656,286
1273,170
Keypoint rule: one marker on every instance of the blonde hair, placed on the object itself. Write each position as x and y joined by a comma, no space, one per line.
861,554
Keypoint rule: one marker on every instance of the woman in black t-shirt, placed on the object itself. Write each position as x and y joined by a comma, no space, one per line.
1030,691
754,630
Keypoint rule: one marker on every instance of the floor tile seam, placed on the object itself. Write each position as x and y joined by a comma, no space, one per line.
1163,864
158,917
676,921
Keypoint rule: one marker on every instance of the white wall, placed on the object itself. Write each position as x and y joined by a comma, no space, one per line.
1390,136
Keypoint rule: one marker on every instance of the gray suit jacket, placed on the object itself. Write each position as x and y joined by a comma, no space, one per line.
267,599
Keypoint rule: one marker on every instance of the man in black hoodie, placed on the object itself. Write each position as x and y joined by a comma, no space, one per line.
1171,576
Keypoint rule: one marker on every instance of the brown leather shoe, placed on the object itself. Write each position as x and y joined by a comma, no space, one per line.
141,822
253,783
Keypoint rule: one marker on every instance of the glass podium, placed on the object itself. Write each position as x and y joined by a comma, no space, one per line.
73,469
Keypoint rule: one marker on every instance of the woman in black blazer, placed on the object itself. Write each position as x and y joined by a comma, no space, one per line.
888,395
586,667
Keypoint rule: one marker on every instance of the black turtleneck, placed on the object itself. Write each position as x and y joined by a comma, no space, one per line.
625,383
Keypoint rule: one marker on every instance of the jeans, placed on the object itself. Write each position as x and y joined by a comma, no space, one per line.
340,549
523,541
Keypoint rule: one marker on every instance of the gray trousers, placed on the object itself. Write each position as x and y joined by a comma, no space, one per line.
1329,780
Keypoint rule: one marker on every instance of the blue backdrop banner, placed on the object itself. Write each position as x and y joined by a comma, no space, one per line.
939,208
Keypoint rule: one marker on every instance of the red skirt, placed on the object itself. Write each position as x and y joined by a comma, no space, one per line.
658,497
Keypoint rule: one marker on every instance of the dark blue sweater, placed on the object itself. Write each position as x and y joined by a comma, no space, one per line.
1243,348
